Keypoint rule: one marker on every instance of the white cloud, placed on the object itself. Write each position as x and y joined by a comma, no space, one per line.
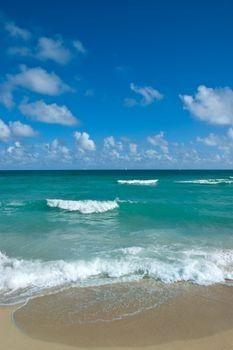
48,113
22,130
110,142
214,106
5,132
79,46
222,142
47,48
133,148
17,32
11,149
57,154
114,154
119,151
159,141
148,95
56,150
54,50
210,140
16,156
84,142
34,79
15,129
6,96
152,154
38,80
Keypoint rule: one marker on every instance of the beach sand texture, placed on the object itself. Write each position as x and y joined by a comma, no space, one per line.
200,318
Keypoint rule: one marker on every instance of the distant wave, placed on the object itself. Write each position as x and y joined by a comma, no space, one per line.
138,182
22,278
208,181
83,206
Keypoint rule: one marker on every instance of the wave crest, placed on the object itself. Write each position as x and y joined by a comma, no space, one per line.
83,206
138,182
23,278
207,181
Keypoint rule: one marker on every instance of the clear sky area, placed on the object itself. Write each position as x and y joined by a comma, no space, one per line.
116,84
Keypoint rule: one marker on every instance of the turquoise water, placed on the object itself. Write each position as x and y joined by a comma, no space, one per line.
62,228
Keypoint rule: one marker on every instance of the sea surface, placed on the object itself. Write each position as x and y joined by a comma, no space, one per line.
62,229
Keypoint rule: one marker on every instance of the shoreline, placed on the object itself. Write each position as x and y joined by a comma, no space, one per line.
200,319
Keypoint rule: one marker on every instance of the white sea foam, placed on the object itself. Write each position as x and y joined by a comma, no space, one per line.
132,250
27,277
138,182
208,181
83,206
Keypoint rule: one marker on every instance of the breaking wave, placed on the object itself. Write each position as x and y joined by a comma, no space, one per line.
83,206
23,278
138,182
208,181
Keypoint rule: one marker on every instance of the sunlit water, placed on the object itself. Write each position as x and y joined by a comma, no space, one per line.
87,228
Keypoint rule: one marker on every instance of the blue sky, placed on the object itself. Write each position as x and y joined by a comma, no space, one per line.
116,84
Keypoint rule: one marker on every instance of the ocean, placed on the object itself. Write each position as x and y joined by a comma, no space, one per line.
63,229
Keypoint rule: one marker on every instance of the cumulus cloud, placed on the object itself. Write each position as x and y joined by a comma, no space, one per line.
6,95
118,151
210,140
17,154
214,106
11,149
133,148
84,142
56,153
17,32
159,141
78,45
34,79
15,129
110,142
38,80
22,130
50,49
48,113
56,150
43,48
147,93
152,154
222,142
40,155
5,132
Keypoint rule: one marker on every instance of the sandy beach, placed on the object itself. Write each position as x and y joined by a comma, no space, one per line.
200,319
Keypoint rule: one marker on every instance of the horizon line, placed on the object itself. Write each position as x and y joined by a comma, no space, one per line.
121,169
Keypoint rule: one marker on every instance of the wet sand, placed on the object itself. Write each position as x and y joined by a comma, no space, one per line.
12,339
199,318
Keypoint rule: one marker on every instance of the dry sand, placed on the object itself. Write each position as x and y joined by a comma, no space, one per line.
202,319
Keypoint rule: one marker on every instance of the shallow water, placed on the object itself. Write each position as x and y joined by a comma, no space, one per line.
82,228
